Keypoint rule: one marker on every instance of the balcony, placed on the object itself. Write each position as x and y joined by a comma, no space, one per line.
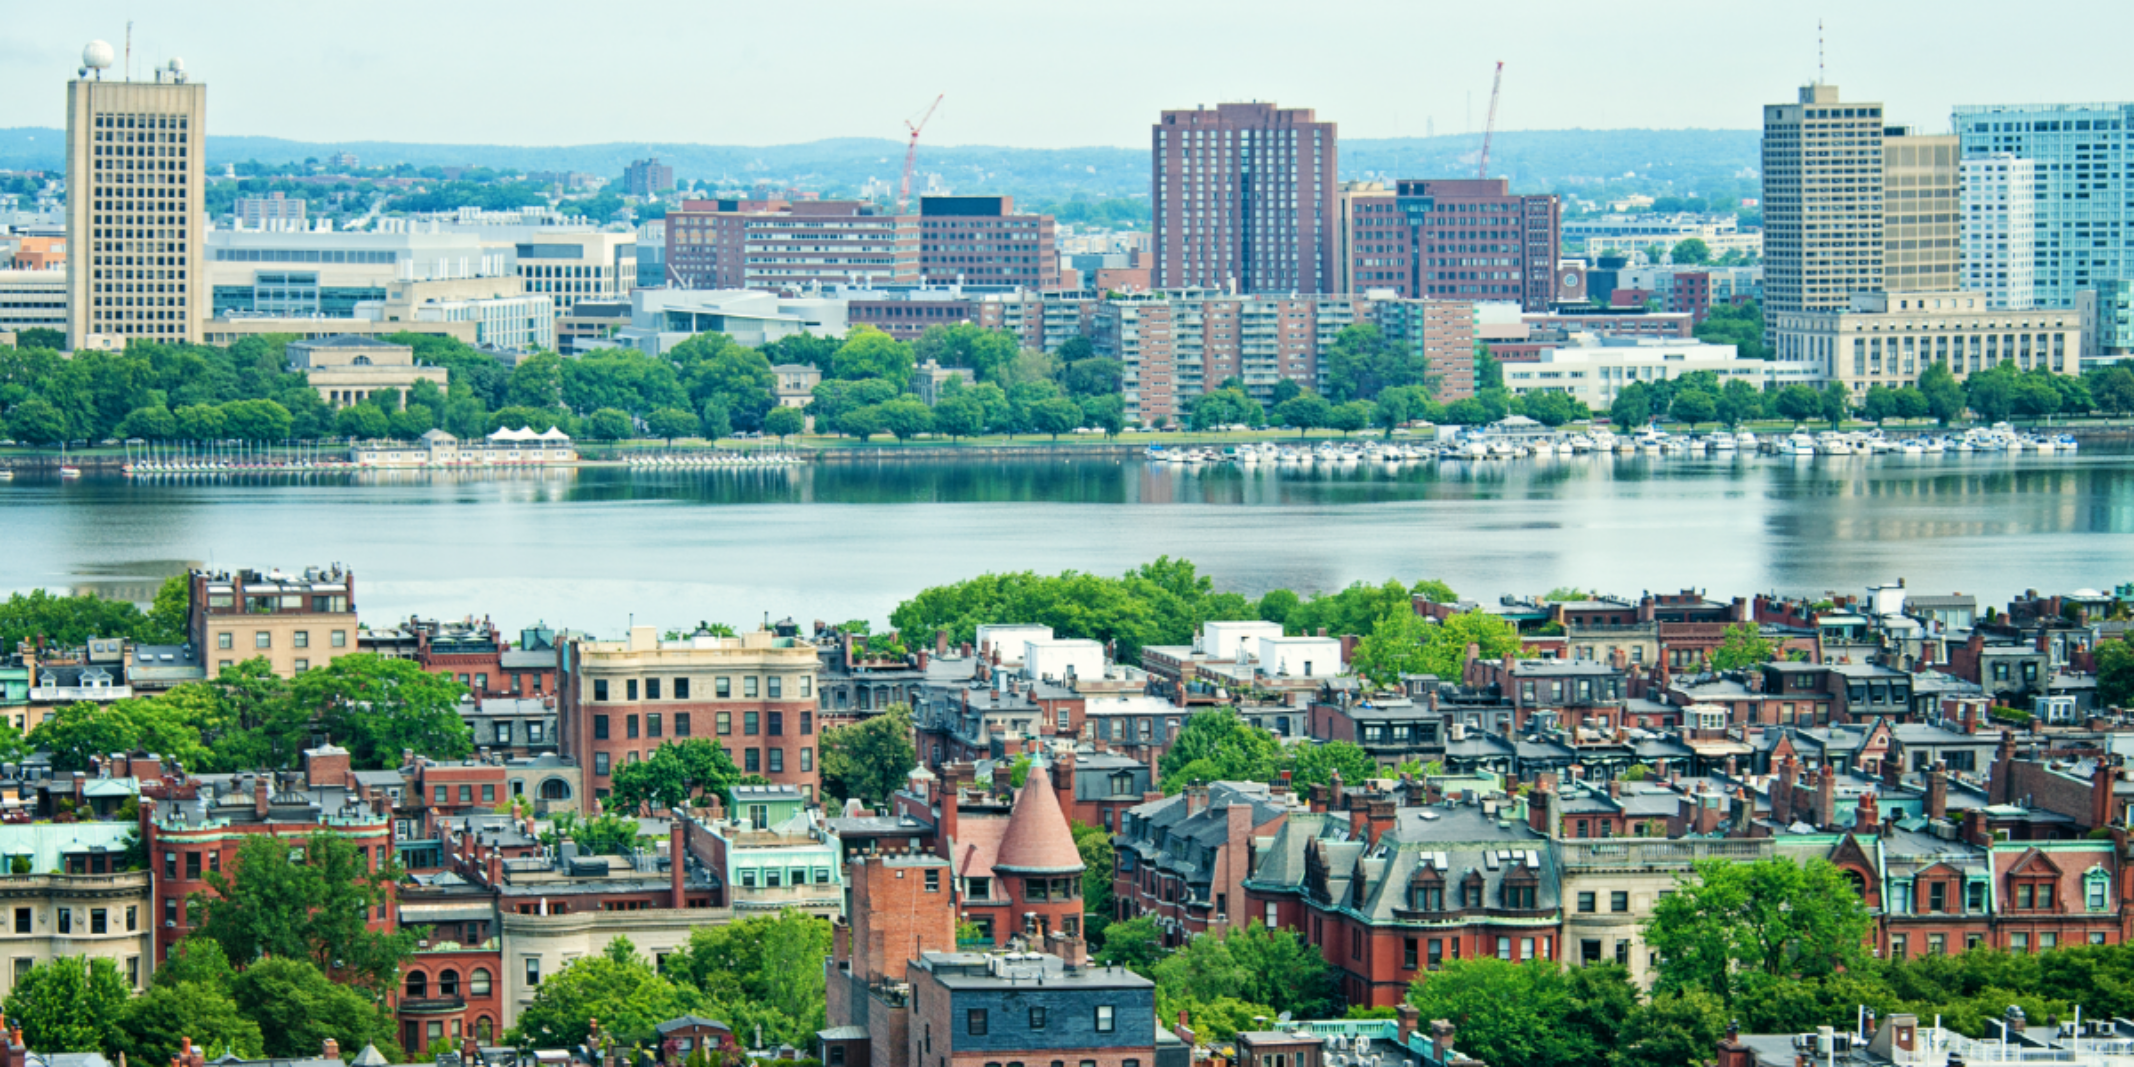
432,1005
1621,852
55,694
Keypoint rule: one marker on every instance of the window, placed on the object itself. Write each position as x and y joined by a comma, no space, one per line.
807,722
723,687
1975,896
752,760
652,725
1504,948
600,689
302,665
1937,944
2019,943
651,689
1436,949
302,638
1619,901
748,686
974,1022
776,687
933,879
339,639
192,865
1037,1014
1937,896
600,763
533,970
775,723
466,794
222,640
133,918
777,757
725,723
66,920
1104,1019
1407,953
1585,902
600,727
629,689
807,762
263,639
443,794
629,726
22,920
1899,945
681,720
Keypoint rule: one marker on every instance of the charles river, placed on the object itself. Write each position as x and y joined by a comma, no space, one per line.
589,548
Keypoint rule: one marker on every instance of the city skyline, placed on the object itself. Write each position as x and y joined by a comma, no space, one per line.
1112,76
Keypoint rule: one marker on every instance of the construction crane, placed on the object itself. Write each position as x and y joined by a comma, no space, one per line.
1488,128
911,151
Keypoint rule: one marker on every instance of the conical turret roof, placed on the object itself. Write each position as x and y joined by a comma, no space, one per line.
1037,840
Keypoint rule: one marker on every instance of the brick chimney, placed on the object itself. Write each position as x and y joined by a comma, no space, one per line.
677,862
260,792
1975,830
1826,799
1732,1053
331,1050
946,832
1196,798
1938,791
1782,792
2101,781
1441,1034
1867,818
1381,814
1406,1017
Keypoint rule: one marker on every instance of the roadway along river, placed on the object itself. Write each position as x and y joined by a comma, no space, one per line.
588,548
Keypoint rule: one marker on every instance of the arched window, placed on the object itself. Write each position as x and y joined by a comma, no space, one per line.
555,789
448,983
478,982
484,1030
418,984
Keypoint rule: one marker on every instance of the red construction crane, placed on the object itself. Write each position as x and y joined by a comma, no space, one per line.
1488,128
911,151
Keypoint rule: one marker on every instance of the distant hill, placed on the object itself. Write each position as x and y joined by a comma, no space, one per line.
1587,162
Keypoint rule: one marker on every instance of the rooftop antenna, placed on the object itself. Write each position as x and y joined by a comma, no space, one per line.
1819,51
129,49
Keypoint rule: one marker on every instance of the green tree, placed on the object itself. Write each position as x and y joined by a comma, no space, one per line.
1797,403
1393,647
670,423
1554,408
1835,403
617,987
1693,406
1738,402
1507,1012
714,367
2113,389
1304,412
1106,413
959,416
69,621
906,417
1692,251
355,422
1772,917
167,614
1631,407
862,423
159,1021
411,422
1350,417
1216,745
378,707
260,420
2115,673
1136,944
153,422
69,1004
306,903
1944,394
986,353
765,969
784,422
869,759
1446,654
1099,858
1055,416
37,422
1253,964
870,353
717,420
1672,1030
297,1007
608,424
79,733
675,773
1743,647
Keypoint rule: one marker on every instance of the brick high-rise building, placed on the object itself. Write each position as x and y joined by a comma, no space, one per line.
1245,195
136,207
753,694
1822,204
1451,239
647,177
789,246
980,240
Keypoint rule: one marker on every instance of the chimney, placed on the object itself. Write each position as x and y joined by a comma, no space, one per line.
1826,799
1938,791
1196,798
1337,798
1732,1053
2101,782
1782,792
1441,1033
1975,830
1406,1016
1382,815
947,831
677,857
331,1050
1867,819
259,794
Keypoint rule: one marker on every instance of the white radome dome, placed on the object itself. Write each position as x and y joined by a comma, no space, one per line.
98,55
177,66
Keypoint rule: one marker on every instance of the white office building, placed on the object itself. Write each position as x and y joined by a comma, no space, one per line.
319,272
663,318
2000,213
33,298
1596,367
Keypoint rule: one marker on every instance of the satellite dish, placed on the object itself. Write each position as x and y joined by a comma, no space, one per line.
177,65
98,55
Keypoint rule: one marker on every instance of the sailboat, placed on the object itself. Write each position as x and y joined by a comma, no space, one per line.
67,470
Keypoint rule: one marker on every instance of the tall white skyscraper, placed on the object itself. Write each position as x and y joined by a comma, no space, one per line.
136,205
2085,218
2000,212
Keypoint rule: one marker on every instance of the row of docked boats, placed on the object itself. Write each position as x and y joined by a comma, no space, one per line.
711,459
1477,446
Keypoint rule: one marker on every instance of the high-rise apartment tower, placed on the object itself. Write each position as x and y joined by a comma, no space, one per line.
1244,197
2084,197
1822,202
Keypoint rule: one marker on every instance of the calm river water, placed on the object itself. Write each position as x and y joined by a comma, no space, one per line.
591,548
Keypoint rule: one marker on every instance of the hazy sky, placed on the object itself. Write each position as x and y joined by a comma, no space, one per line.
1090,72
